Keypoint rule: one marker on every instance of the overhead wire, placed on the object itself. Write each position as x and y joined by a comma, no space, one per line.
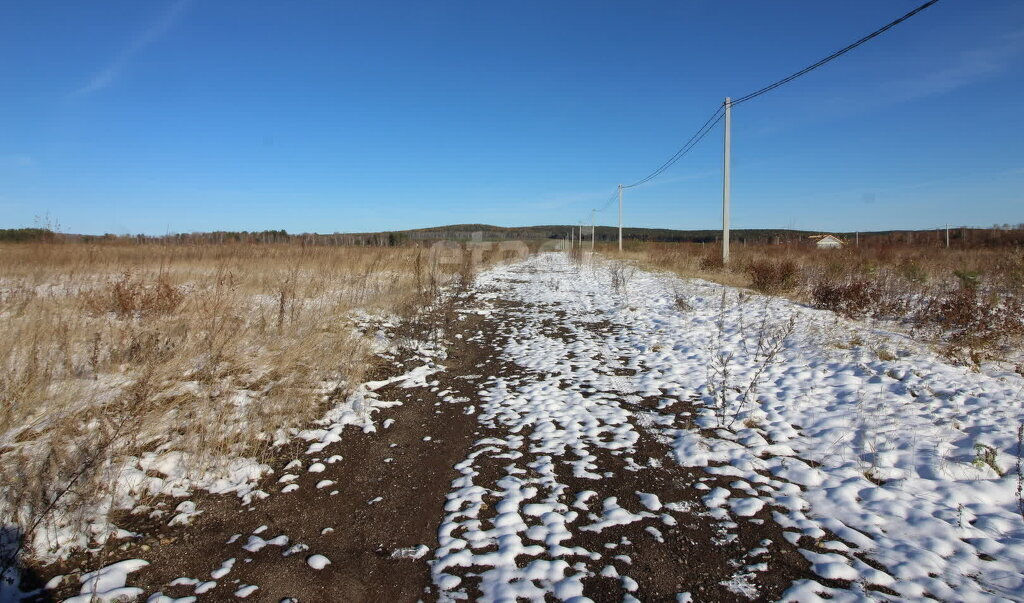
610,200
718,114
606,205
692,142
833,56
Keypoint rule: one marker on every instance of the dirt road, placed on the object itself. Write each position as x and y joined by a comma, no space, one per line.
551,454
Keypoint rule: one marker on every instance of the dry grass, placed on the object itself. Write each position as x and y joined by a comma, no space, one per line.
212,350
970,299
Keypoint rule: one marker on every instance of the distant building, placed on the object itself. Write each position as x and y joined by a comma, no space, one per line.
827,241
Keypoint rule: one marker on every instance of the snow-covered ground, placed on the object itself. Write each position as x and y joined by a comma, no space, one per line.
862,434
890,470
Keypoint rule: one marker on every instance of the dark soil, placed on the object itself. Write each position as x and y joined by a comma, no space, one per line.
392,485
696,555
411,487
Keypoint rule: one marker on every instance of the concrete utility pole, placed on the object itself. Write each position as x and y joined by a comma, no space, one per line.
572,237
725,181
947,236
592,237
620,218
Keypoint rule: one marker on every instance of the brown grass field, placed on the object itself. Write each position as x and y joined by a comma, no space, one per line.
110,350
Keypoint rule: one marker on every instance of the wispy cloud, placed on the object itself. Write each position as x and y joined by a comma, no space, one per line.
19,160
144,38
960,68
967,67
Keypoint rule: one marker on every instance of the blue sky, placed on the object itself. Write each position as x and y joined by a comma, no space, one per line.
181,116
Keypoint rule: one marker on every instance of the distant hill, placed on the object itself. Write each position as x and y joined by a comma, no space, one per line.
488,232
963,236
1007,234
960,236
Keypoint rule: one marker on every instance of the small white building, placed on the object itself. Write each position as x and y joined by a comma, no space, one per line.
827,241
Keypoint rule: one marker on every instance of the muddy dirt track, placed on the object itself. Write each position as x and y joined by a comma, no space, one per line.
537,460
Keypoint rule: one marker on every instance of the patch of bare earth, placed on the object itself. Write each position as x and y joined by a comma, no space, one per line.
388,493
681,547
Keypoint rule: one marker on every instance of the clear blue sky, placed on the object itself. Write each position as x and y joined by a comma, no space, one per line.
159,116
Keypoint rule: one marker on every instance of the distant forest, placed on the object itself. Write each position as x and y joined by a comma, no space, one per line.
998,235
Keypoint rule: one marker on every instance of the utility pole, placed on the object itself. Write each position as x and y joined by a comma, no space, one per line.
857,244
725,181
572,237
620,218
592,237
947,236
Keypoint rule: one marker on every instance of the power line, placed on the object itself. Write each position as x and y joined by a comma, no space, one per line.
607,203
716,116
834,55
719,114
611,200
700,134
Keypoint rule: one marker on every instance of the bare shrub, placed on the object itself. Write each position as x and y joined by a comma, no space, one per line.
621,274
973,321
912,270
711,262
1008,269
731,396
773,276
852,299
127,296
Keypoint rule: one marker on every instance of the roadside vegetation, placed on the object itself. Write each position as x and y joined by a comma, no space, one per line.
211,352
970,300
214,351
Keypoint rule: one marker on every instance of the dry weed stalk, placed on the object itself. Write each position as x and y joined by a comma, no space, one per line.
621,274
731,394
1020,469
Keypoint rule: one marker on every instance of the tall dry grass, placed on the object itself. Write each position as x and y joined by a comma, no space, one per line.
109,351
969,299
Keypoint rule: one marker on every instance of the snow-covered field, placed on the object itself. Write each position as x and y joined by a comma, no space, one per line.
879,442
892,472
